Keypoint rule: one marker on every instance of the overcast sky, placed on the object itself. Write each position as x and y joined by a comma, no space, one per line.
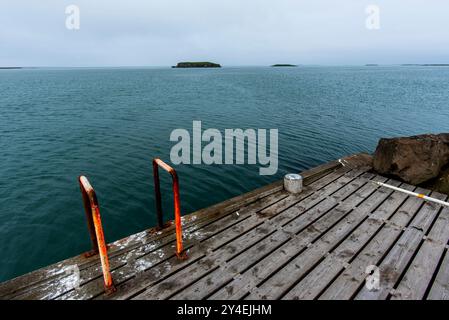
231,32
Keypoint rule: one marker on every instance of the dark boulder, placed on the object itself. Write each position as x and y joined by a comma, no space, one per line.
413,159
440,183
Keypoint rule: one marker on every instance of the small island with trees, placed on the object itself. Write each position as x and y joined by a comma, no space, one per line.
197,65
284,65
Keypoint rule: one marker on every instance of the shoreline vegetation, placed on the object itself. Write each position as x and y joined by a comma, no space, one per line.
197,65
283,65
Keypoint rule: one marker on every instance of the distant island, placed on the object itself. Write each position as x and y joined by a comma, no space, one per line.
8,68
425,65
284,65
371,65
197,65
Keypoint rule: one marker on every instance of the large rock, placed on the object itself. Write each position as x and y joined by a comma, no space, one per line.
412,159
440,183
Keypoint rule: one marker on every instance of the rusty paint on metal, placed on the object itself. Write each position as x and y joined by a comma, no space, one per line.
156,164
95,227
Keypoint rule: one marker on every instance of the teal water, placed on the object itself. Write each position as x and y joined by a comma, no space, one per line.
108,124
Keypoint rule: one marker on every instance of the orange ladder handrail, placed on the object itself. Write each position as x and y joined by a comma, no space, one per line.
95,227
157,190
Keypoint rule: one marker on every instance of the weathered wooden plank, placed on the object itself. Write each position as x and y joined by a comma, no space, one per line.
397,259
58,285
207,285
54,288
159,270
319,278
243,283
93,288
347,283
348,176
229,230
230,205
150,250
58,271
296,217
440,230
332,185
440,287
190,275
419,275
276,286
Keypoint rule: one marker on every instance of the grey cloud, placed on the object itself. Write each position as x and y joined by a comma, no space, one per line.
232,32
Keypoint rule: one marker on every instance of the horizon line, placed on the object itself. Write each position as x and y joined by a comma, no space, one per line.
232,65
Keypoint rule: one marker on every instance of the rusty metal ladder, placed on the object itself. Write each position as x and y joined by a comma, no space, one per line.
157,192
93,217
95,227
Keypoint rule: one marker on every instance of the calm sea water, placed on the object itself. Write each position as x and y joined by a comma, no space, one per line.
108,124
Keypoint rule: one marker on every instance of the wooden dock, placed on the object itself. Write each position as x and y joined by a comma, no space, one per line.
269,244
